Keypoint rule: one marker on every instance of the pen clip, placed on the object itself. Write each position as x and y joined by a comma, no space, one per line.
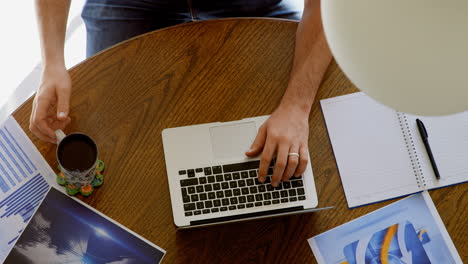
422,128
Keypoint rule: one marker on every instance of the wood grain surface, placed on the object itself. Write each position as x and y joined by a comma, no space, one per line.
202,72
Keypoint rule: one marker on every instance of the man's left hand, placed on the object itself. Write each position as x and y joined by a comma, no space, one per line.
284,135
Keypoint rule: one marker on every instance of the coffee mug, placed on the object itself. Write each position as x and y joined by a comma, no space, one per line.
77,156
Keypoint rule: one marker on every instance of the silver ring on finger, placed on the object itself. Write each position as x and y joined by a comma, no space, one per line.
293,154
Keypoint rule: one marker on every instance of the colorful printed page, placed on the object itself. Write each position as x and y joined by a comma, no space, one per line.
66,230
407,231
24,180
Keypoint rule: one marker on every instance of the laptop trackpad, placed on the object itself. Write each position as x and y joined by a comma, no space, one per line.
232,141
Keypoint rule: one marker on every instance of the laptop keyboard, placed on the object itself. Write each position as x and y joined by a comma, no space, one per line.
232,187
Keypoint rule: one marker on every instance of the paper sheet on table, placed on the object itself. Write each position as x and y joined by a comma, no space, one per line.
407,231
25,178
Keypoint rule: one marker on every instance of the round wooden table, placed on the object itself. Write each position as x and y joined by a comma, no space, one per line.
202,72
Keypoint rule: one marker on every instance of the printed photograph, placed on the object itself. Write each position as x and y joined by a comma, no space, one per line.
65,231
407,231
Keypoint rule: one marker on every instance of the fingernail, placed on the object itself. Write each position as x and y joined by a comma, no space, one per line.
262,179
62,114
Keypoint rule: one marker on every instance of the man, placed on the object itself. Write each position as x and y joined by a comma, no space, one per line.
284,135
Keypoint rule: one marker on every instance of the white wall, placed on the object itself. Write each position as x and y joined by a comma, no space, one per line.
19,44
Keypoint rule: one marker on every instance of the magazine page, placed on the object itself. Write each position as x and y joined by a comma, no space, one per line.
64,230
407,231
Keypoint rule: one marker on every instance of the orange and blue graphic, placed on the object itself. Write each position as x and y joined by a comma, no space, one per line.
397,244
409,231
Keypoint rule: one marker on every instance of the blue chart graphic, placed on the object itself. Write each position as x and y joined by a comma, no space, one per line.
22,184
25,199
15,165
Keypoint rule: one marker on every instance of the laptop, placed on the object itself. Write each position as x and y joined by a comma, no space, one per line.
211,181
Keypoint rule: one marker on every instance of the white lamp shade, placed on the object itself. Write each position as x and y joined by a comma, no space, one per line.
409,55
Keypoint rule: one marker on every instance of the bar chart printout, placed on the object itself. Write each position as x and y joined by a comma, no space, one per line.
23,183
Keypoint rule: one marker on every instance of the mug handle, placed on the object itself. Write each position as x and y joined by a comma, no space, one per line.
60,135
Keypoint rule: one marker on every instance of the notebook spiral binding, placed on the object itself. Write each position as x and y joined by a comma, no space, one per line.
409,142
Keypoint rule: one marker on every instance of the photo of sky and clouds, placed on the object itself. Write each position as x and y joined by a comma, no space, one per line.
65,231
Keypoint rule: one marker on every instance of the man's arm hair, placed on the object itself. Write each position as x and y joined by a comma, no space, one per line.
311,59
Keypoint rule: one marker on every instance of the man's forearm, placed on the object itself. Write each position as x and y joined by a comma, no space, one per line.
311,59
52,20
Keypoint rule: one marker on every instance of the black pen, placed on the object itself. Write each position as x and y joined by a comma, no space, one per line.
424,136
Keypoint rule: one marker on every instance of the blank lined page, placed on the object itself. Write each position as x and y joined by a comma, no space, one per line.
369,149
448,138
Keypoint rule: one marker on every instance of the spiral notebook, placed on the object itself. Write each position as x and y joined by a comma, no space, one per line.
380,153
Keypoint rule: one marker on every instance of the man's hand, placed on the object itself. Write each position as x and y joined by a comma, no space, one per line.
51,104
286,131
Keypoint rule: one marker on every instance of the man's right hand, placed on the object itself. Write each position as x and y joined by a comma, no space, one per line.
51,103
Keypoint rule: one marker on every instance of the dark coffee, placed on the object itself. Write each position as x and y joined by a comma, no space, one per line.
77,152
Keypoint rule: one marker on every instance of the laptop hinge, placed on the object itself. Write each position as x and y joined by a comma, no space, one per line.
244,216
